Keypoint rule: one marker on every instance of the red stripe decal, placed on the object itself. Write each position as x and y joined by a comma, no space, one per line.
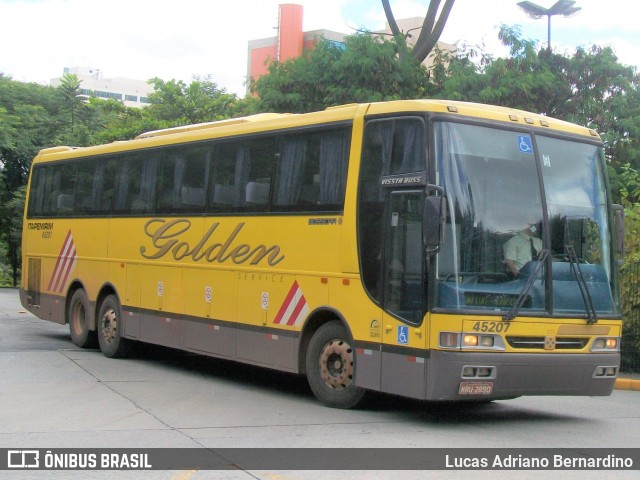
64,265
287,301
299,306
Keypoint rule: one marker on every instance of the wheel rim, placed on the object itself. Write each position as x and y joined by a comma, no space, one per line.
336,364
109,325
78,318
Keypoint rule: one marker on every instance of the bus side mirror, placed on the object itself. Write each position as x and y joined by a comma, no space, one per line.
435,217
618,215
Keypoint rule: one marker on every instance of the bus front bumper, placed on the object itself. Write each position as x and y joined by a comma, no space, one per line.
494,376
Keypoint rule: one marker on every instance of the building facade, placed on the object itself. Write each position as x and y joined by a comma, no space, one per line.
131,92
290,42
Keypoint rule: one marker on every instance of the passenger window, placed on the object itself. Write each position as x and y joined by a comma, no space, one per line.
194,179
136,186
311,171
60,190
85,199
241,176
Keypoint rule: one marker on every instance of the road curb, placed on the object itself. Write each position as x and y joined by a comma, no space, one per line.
628,384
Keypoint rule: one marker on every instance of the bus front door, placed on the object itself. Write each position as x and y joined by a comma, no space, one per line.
404,334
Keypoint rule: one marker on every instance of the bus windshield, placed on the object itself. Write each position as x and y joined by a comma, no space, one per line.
513,196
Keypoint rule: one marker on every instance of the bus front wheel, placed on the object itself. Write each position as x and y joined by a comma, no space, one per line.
330,367
112,344
77,318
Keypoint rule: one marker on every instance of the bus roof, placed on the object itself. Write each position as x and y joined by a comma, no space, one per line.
209,125
273,121
483,111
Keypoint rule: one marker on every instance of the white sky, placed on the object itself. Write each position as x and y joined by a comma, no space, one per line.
147,38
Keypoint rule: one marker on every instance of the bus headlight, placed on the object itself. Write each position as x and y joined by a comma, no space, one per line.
471,341
605,344
482,341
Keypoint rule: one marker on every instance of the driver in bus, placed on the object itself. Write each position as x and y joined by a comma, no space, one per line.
521,248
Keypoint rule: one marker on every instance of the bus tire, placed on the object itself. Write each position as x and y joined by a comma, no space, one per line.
81,336
112,344
330,367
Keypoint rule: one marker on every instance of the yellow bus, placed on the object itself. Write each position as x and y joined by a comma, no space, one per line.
430,249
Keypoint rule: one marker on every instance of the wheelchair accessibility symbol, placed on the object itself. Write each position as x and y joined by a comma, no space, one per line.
524,144
403,334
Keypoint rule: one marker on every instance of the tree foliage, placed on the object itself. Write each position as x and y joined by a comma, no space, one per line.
176,103
365,68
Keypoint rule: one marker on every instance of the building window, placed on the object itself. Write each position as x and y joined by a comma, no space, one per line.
131,98
116,96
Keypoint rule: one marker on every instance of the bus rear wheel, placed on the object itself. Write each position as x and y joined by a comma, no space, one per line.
330,367
78,324
112,344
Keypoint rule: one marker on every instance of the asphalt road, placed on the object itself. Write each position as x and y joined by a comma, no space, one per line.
54,395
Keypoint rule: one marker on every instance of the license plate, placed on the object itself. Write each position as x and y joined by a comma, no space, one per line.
475,388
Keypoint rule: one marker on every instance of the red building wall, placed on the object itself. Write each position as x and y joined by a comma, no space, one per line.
290,35
288,44
260,60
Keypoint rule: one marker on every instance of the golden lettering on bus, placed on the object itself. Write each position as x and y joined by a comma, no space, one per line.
165,238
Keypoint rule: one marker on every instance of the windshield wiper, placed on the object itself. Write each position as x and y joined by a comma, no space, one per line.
592,316
542,258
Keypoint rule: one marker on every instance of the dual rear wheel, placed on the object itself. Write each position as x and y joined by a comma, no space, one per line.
78,315
108,329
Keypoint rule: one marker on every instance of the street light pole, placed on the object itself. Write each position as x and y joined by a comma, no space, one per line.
565,8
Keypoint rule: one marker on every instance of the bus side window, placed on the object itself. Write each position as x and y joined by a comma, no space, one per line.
334,160
311,171
241,175
85,194
138,183
135,191
105,178
257,172
171,167
194,179
223,190
37,193
63,197
290,173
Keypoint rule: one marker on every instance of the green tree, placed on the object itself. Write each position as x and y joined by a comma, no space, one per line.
12,231
69,90
526,79
25,125
629,291
176,103
115,121
363,69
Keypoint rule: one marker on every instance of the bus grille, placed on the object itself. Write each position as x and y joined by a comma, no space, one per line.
538,343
